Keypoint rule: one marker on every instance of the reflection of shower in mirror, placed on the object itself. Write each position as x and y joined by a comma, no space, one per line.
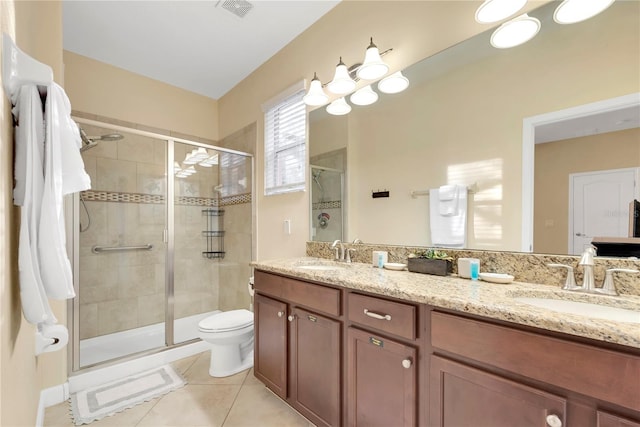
326,190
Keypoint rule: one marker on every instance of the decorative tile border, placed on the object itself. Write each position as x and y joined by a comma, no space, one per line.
335,204
119,197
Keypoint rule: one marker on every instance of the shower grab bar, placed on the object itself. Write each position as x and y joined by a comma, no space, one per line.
98,249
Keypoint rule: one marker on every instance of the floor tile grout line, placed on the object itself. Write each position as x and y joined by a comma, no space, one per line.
235,399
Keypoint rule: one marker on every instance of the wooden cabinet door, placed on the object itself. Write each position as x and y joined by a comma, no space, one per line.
610,420
270,356
315,366
381,381
463,396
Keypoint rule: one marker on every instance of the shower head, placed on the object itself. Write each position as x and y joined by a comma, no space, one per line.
92,141
108,137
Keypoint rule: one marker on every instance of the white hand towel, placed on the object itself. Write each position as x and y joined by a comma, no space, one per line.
29,137
448,231
448,197
64,173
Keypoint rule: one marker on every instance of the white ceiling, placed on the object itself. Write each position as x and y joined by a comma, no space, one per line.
196,45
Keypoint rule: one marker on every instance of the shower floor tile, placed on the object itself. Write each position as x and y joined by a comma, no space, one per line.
239,401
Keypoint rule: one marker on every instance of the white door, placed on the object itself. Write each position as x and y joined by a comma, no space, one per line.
599,206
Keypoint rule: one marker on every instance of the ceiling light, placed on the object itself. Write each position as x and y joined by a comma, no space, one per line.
497,10
515,32
196,156
189,171
316,95
373,67
364,96
339,107
394,83
342,83
572,11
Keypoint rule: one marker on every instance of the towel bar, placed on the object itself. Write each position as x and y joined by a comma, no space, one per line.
98,249
472,189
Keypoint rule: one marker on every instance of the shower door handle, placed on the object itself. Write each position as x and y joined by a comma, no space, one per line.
165,235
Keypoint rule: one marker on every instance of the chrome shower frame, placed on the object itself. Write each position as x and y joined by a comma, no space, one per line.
72,217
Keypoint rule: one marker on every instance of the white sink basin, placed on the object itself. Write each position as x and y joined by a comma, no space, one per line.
320,267
584,309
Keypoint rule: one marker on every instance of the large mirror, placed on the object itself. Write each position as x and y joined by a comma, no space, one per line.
461,122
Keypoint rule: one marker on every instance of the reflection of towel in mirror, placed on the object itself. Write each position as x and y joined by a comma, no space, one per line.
448,230
448,197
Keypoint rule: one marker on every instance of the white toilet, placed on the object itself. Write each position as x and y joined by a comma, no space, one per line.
230,335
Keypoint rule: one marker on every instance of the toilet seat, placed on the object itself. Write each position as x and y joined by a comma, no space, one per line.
227,321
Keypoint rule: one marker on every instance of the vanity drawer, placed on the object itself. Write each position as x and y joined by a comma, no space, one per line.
601,373
384,315
316,297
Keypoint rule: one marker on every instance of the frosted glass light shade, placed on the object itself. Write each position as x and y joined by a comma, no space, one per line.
315,96
394,83
373,67
497,10
342,82
364,96
572,11
515,32
339,107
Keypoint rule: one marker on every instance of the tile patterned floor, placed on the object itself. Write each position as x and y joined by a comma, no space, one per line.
236,401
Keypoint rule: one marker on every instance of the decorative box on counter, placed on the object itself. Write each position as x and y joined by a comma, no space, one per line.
439,267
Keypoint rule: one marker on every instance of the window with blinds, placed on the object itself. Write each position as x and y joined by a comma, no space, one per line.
285,147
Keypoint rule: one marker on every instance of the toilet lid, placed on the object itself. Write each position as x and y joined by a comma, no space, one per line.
227,321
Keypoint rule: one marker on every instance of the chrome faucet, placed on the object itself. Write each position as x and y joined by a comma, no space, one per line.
587,263
339,247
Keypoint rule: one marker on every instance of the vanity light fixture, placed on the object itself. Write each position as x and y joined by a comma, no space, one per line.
515,32
572,11
342,82
364,96
315,96
373,67
394,83
497,10
339,107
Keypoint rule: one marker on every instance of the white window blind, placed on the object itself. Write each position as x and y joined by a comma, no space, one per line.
285,146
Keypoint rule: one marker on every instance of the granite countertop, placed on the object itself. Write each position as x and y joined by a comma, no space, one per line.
490,300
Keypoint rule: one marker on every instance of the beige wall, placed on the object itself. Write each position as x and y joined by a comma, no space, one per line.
106,91
555,161
37,29
414,29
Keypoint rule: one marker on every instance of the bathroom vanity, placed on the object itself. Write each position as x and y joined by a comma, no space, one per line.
348,344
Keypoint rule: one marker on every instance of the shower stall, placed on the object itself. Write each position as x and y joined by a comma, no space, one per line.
161,240
327,204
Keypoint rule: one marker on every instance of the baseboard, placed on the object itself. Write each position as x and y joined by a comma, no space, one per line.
49,397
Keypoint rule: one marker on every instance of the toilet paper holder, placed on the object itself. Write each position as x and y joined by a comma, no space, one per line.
50,338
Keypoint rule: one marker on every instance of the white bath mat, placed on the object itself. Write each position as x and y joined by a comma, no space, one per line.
107,399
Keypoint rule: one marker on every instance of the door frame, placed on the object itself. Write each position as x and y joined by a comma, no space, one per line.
529,125
636,194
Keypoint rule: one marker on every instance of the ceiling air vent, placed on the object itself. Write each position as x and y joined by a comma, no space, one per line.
239,8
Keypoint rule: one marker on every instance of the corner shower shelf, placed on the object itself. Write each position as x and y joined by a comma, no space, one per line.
214,235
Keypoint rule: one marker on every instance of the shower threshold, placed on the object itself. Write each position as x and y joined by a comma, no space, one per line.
119,344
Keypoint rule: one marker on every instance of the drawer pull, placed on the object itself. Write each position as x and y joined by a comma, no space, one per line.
554,421
376,315
280,313
291,317
406,363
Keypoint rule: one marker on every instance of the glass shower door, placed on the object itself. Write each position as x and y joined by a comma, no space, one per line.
122,255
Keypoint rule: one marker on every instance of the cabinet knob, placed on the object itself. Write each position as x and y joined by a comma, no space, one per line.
406,363
291,317
554,421
280,313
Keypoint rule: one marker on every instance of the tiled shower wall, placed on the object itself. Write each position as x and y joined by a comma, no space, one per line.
127,207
